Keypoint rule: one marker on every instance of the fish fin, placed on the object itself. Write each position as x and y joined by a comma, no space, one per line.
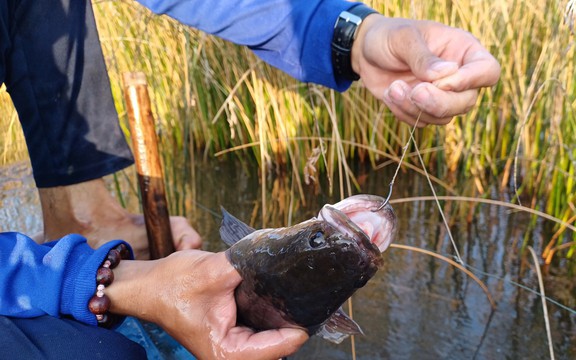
232,229
338,327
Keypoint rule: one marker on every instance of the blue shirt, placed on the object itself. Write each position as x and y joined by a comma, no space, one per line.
292,35
59,278
56,278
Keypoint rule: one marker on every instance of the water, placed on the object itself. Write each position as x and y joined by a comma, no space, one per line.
416,307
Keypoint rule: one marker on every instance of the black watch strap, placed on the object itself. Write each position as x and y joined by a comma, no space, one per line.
345,31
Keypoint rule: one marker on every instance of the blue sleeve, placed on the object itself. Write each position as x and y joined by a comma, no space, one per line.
57,278
292,35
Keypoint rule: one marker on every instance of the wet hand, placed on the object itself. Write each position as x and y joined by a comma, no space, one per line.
190,294
422,67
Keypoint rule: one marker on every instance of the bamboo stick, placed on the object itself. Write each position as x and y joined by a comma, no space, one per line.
149,168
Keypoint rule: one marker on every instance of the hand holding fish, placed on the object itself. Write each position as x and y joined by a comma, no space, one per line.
200,297
422,66
190,294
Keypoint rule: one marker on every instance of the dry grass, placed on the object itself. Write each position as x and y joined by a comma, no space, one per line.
211,96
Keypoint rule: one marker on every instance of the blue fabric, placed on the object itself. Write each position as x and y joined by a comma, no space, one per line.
292,35
56,278
47,337
52,64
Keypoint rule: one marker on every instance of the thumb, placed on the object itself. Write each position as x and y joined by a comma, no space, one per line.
410,47
269,344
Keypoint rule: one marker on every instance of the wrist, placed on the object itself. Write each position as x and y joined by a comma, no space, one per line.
346,31
356,53
131,293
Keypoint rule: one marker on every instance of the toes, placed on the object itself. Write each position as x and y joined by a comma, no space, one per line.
184,235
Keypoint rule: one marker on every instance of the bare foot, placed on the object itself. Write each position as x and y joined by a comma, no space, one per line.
89,209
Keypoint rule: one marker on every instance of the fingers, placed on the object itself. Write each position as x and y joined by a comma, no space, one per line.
427,103
424,68
480,69
451,58
185,237
442,104
270,344
409,45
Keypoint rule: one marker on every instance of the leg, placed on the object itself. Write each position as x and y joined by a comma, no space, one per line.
58,82
89,209
56,75
46,337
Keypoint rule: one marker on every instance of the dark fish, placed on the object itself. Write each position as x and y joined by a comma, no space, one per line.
299,276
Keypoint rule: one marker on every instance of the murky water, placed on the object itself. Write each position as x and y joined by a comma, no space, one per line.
416,307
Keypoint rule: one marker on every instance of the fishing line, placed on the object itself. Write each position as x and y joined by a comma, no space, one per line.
457,257
404,151
517,284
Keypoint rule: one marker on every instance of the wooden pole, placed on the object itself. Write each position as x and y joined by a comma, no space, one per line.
149,168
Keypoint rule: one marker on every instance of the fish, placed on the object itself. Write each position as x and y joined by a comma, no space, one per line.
299,276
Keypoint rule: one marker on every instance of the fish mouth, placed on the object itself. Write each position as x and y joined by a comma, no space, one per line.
367,212
346,226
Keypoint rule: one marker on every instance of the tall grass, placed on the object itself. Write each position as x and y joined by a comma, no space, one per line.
212,97
12,144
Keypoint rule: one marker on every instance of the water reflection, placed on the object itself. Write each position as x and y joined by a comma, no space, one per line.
19,202
416,307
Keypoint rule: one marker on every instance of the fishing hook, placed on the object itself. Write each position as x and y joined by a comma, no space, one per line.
387,200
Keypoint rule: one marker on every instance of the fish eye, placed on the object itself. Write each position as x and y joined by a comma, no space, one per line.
317,239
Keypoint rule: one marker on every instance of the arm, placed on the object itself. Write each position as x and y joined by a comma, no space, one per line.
292,35
56,279
190,294
414,66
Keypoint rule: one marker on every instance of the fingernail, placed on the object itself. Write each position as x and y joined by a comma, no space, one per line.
420,96
396,93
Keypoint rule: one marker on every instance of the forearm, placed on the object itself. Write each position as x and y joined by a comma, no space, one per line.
294,36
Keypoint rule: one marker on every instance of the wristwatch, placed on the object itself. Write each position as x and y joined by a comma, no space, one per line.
345,31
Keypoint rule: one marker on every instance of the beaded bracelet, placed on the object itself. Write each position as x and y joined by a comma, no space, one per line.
99,304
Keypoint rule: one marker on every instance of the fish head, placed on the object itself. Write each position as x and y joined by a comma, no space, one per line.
331,250
343,235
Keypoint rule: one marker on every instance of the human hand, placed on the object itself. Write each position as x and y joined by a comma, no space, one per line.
190,294
422,66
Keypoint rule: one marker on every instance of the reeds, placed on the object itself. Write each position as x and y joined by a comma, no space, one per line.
212,97
12,144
